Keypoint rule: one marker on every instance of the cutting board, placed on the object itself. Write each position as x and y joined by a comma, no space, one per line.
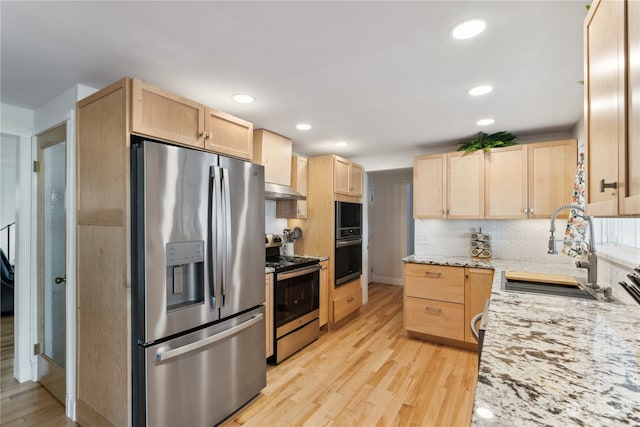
556,279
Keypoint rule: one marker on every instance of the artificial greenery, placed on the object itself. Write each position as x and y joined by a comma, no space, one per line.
483,141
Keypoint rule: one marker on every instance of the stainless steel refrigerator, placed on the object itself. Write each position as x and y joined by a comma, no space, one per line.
197,242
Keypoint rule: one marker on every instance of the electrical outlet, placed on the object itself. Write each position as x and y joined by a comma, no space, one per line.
422,240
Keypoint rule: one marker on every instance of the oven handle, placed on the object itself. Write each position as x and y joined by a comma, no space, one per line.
298,272
350,242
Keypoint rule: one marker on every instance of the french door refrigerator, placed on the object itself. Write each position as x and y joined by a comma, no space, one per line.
197,285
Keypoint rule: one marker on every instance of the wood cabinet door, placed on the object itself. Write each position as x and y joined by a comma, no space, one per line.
465,185
630,193
506,183
429,186
552,172
163,115
604,103
299,166
274,153
477,289
341,176
228,135
355,180
324,293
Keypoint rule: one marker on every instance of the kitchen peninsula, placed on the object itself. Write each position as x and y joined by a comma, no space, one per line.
551,360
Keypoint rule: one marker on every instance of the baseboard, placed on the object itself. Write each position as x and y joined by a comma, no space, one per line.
387,280
24,372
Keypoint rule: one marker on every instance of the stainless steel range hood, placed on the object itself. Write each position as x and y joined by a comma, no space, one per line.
274,191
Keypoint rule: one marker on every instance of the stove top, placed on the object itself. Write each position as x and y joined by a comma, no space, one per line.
284,263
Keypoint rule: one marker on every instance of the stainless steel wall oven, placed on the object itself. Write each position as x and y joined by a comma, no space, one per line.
348,249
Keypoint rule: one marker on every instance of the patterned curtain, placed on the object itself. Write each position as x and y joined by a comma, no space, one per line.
575,243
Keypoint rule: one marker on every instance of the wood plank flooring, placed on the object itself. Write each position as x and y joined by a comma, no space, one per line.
28,403
368,373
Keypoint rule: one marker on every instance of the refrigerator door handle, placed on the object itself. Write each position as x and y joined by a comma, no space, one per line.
226,195
214,233
163,354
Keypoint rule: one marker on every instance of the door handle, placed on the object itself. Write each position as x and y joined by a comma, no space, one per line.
59,280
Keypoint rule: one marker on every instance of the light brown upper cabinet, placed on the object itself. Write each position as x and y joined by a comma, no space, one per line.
163,115
347,177
449,185
160,114
274,153
228,135
612,107
529,181
505,173
552,170
522,181
295,208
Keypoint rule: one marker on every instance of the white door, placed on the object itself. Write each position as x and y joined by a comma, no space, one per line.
52,244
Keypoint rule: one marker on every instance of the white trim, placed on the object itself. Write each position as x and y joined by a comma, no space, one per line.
70,333
388,280
623,256
23,364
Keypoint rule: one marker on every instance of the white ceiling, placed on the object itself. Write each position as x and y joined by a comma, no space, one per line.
383,76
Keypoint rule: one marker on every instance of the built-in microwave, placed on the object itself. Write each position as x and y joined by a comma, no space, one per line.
348,220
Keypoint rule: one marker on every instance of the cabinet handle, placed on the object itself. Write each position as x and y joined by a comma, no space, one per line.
432,309
432,274
349,299
531,211
447,212
604,185
525,210
203,134
210,135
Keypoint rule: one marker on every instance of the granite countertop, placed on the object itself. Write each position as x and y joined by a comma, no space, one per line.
268,270
554,361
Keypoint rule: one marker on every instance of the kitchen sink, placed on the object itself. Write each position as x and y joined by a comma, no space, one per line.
547,288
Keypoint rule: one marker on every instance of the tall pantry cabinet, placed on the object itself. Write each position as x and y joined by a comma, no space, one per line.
106,121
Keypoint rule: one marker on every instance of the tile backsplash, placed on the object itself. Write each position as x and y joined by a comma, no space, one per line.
525,239
273,225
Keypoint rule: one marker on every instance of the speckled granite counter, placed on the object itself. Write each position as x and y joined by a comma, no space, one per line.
554,361
268,270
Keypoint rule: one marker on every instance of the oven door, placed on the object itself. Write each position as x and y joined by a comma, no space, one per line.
296,294
348,260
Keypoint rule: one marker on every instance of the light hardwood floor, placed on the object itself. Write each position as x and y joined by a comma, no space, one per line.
366,372
28,403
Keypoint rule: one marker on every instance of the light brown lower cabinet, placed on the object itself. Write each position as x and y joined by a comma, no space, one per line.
268,312
440,301
347,299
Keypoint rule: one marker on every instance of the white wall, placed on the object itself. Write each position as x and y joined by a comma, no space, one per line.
9,146
20,122
388,225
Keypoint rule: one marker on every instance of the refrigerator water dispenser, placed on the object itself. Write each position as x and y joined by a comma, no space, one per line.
185,274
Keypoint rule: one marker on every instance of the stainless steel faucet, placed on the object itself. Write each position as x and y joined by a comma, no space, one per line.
591,264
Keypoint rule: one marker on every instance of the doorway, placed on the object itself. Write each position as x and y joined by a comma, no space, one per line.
51,344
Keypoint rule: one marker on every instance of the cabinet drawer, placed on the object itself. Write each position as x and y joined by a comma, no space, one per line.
347,299
442,319
434,282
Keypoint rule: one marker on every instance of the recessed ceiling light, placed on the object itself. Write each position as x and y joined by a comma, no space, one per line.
303,126
468,29
243,99
480,90
485,122
341,144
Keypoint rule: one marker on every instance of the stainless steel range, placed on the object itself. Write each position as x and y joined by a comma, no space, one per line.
296,300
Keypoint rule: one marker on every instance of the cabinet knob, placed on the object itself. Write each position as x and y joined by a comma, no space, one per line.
349,299
525,210
604,185
203,134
